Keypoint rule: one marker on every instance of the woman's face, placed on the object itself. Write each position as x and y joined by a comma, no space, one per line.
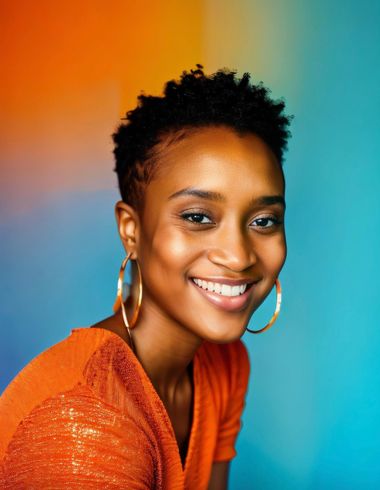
211,240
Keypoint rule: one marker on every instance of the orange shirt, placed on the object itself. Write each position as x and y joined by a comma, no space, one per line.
84,414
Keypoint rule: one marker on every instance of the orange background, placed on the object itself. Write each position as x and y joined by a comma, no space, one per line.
70,69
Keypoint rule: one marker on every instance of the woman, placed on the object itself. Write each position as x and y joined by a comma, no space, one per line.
152,396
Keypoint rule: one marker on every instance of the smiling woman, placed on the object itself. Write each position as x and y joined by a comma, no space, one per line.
151,397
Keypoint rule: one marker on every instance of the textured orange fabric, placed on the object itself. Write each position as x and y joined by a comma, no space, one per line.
84,414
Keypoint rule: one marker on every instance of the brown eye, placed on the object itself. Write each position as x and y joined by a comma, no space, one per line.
198,218
266,222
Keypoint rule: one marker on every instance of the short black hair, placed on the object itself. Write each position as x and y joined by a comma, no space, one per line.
195,101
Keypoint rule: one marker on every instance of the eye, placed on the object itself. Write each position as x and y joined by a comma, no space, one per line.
266,222
197,218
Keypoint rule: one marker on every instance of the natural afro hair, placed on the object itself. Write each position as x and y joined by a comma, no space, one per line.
196,100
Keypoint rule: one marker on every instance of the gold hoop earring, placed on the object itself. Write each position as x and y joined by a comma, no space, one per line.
119,298
276,312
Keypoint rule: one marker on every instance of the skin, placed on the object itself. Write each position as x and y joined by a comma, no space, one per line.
178,235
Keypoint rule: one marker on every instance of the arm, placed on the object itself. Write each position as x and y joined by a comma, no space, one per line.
230,424
75,441
219,476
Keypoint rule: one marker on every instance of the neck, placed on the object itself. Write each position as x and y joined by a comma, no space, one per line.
165,349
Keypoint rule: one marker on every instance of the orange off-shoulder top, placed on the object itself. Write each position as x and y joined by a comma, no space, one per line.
85,415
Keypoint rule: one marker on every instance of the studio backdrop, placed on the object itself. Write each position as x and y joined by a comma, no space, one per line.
69,73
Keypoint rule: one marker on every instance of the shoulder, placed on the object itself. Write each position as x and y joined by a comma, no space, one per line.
227,364
226,369
232,357
93,444
56,370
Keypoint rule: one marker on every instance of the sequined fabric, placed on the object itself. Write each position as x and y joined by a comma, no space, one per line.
84,414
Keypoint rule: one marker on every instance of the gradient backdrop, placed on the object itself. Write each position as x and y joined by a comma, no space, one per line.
71,69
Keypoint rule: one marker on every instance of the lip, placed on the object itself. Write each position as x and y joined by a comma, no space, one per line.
227,303
224,280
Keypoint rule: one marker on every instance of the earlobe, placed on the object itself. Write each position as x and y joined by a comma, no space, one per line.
128,226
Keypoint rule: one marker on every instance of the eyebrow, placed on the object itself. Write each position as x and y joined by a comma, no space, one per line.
217,196
191,191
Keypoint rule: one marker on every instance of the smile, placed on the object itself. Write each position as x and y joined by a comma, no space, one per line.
233,297
220,288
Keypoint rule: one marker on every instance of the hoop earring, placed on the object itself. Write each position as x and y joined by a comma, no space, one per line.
119,298
276,311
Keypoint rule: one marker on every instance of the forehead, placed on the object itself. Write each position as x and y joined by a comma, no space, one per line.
216,159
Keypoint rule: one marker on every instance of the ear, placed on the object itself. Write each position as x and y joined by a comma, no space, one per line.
128,225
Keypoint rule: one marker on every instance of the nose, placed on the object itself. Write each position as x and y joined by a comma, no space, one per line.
233,249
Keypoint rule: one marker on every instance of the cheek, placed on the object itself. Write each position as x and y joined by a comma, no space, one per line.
168,252
273,255
166,260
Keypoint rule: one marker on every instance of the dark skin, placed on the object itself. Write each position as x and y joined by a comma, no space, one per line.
180,412
214,210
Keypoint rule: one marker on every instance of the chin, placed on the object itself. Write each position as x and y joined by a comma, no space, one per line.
219,335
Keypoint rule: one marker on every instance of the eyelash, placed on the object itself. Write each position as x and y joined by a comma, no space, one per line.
186,217
275,221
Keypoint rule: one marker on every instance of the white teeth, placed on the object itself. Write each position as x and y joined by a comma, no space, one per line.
223,289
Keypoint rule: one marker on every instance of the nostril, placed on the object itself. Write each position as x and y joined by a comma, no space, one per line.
234,260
